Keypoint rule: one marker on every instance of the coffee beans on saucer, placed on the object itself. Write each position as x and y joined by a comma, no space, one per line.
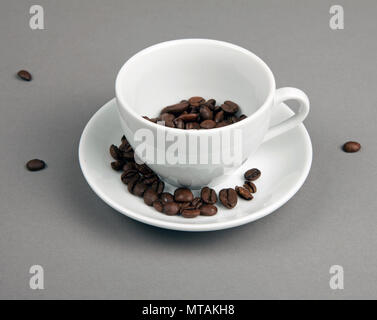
197,113
143,182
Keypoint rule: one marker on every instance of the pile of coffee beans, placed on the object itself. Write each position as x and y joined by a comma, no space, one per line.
198,113
143,182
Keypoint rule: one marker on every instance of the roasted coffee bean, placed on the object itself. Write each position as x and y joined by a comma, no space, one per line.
144,169
208,195
250,186
176,108
230,107
149,179
242,117
166,197
351,147
228,198
24,75
205,113
117,165
208,210
189,117
192,125
158,186
129,165
196,101
131,184
190,213
208,124
35,165
233,119
139,188
158,205
171,208
211,102
129,176
219,116
115,152
197,203
217,109
194,109
150,196
179,123
252,174
130,156
184,206
244,193
125,146
168,119
183,195
222,124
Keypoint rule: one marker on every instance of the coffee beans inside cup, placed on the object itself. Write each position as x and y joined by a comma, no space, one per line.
198,113
143,182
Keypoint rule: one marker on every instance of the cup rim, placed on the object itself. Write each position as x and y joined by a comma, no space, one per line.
122,103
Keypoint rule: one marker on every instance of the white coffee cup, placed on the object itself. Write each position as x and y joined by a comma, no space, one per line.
168,72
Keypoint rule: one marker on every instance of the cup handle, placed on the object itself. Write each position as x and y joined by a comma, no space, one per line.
284,94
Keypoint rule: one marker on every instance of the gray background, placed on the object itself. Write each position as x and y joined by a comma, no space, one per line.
88,250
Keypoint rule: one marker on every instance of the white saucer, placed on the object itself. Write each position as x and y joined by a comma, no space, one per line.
284,162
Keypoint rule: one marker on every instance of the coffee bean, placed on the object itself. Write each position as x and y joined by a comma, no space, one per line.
208,210
131,184
228,198
197,203
208,195
128,155
158,186
211,102
171,208
184,206
222,124
179,123
205,113
166,197
183,195
115,152
149,179
150,196
244,193
130,166
230,107
139,189
168,119
143,169
192,125
189,117
158,205
24,75
196,101
252,174
117,165
190,213
242,117
250,186
208,124
176,109
129,176
35,165
219,116
351,147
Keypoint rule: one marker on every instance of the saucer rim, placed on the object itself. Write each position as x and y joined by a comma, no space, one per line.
193,227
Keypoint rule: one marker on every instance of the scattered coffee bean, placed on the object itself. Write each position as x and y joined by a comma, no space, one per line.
158,205
205,113
197,203
250,186
35,165
115,152
24,75
171,208
208,195
188,117
184,206
183,195
252,174
139,189
150,196
351,147
117,165
131,185
129,176
228,198
190,213
211,102
176,109
244,193
208,210
219,117
149,179
166,197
